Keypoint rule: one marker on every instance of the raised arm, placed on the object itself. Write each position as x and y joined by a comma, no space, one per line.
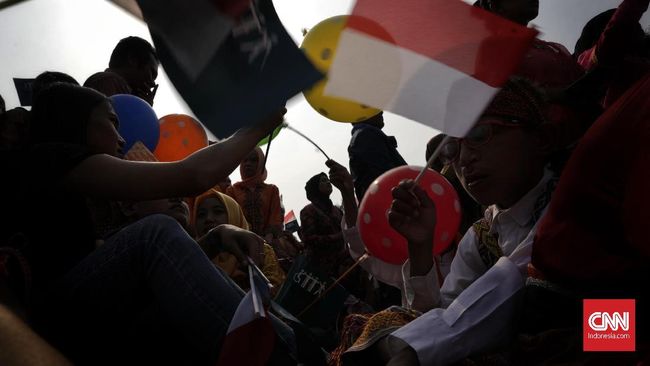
112,178
619,38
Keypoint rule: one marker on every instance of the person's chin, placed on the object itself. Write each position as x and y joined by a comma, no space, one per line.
480,190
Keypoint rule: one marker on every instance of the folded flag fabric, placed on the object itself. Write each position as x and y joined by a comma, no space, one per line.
250,338
438,62
193,32
233,64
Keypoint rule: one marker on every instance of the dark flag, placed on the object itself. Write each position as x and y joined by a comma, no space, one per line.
24,90
249,68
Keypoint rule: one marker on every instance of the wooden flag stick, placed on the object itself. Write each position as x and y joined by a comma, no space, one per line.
433,157
338,280
308,139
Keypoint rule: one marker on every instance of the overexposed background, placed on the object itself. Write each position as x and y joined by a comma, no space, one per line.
77,37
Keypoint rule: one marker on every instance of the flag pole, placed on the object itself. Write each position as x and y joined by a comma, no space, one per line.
308,139
268,147
338,280
433,157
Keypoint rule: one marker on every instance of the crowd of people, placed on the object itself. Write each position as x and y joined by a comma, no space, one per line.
111,257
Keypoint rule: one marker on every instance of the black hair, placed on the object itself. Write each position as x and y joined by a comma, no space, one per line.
314,195
48,78
592,31
61,113
132,47
3,107
435,141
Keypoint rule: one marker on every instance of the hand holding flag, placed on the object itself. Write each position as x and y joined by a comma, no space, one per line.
250,338
232,61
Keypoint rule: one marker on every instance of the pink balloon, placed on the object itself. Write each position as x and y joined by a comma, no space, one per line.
381,240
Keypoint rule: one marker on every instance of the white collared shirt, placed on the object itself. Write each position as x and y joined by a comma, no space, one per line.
513,226
422,293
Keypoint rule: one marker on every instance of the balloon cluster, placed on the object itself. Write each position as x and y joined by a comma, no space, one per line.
171,138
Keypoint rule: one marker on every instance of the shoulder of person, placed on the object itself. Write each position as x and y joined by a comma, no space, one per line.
307,209
272,187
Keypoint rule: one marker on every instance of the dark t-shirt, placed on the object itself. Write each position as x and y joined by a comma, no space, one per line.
54,221
372,153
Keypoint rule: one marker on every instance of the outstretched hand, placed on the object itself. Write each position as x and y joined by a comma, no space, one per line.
271,121
413,214
340,177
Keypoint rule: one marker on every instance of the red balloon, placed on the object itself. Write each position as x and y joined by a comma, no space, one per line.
381,240
180,135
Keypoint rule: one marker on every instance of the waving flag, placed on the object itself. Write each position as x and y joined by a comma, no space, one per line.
250,338
438,62
291,222
232,61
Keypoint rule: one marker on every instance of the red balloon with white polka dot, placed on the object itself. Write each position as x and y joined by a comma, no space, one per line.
381,240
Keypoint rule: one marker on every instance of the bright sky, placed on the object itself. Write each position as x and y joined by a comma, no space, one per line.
77,37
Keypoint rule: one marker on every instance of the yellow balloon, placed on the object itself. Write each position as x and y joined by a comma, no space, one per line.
320,46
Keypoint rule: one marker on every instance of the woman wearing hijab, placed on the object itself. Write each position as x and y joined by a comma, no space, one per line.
321,226
260,201
84,299
212,209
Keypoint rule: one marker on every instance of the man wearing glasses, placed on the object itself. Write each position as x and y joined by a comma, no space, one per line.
132,69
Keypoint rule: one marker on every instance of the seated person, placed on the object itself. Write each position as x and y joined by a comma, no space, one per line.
84,297
516,188
212,209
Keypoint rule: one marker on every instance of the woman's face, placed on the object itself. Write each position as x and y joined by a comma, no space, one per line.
101,134
210,214
249,165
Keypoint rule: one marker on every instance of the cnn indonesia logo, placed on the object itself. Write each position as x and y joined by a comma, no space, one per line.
608,325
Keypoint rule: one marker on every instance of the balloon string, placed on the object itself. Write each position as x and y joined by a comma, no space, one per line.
338,280
307,138
433,157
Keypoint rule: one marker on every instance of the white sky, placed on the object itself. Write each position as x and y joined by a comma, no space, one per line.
77,37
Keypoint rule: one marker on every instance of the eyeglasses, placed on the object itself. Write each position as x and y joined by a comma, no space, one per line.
478,136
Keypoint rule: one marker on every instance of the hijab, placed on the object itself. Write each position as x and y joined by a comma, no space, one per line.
233,210
260,173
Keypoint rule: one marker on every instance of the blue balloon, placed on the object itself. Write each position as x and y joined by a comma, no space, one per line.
138,121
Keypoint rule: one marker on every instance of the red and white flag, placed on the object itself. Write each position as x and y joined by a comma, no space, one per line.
250,338
290,216
438,62
290,221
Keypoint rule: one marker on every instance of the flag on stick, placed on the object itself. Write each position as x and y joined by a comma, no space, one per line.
232,61
250,338
438,62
